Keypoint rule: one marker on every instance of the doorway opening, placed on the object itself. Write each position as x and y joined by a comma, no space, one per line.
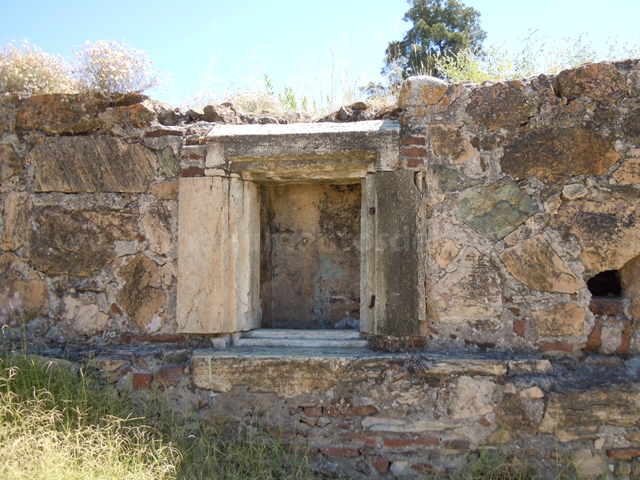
310,256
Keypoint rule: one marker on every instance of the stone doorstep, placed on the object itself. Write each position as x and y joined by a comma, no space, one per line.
301,339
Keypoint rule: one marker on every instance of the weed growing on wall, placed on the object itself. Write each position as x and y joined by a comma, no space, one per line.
26,68
111,68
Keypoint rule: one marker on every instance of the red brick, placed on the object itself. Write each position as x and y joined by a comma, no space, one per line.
606,306
193,156
170,374
141,238
192,172
141,380
116,309
484,422
397,442
313,411
381,465
519,327
625,340
456,444
362,410
413,140
423,468
594,342
623,453
415,163
193,140
427,440
555,347
126,369
414,152
161,132
345,452
371,441
515,311
304,450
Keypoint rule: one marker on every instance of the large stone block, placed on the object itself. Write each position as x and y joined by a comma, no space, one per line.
561,319
10,162
141,295
556,153
608,231
23,294
535,264
91,164
448,140
600,81
495,210
583,413
78,242
500,105
61,113
421,91
472,291
16,220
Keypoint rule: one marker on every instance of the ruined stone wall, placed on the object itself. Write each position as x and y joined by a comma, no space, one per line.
89,198
533,188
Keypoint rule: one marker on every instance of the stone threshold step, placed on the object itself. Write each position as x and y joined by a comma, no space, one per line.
308,334
299,343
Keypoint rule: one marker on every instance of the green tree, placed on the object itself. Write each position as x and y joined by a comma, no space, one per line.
440,28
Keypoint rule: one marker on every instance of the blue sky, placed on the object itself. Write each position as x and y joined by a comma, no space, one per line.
221,44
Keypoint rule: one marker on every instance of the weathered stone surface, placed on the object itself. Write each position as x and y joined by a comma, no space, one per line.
609,232
16,220
8,112
10,162
23,294
582,413
292,371
81,319
500,105
157,224
575,191
167,161
469,397
91,164
141,294
561,319
536,265
472,291
396,425
450,179
629,172
512,414
137,115
495,210
467,366
588,464
165,190
600,81
631,125
630,278
420,91
219,256
61,113
448,140
78,242
444,251
554,153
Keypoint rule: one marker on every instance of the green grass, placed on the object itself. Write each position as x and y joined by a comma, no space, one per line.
58,424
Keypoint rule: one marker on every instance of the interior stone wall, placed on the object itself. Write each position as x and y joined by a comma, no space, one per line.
310,256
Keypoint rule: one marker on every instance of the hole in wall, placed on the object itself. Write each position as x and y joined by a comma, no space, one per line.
310,256
605,284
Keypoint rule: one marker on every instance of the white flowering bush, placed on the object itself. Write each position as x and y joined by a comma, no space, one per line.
111,68
25,68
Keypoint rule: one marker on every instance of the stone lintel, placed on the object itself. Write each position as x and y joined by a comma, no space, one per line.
362,143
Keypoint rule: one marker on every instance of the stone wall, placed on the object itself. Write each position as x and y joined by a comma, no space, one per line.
528,190
533,188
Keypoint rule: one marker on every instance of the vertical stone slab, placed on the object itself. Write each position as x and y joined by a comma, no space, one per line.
399,254
251,279
203,233
367,255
